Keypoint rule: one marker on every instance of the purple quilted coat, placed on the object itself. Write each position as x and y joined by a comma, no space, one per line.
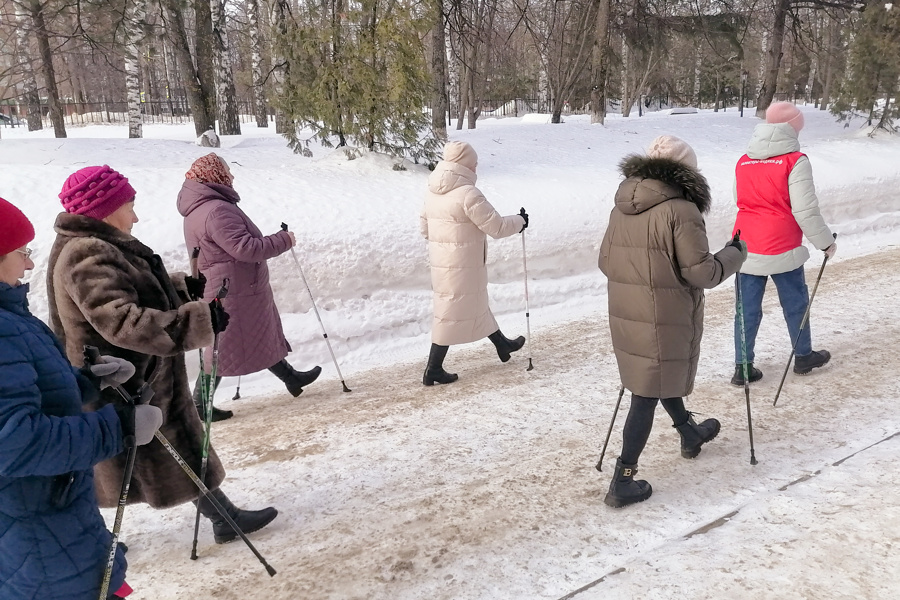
232,246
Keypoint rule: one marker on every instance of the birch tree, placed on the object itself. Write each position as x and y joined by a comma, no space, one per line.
256,69
29,82
134,17
226,102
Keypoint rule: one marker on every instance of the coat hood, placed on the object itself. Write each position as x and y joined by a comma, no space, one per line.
651,181
193,194
448,176
772,139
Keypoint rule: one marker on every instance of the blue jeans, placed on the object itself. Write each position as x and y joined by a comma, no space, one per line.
794,297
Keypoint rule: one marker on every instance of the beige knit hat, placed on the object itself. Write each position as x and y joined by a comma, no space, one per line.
461,153
672,148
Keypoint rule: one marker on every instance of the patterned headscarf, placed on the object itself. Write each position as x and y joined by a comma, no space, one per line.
210,169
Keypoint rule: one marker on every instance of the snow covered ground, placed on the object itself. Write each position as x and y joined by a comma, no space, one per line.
486,488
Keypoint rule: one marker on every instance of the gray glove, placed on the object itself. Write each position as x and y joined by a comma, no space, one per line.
147,420
109,371
139,422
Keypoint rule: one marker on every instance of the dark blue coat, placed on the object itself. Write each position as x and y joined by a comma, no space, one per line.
53,541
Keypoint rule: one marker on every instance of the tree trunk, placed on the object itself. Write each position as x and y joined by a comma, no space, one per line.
599,65
204,119
773,59
29,82
439,74
833,35
259,91
134,16
627,100
281,67
43,38
205,56
229,120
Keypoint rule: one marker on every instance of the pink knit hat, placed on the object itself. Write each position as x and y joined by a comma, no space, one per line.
461,153
785,112
672,148
15,228
95,192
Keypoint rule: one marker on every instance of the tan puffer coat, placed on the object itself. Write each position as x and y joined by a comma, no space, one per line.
455,221
656,256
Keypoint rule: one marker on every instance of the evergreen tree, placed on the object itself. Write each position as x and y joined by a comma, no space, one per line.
358,75
873,75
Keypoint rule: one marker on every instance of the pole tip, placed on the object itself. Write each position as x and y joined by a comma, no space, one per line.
530,366
270,570
346,389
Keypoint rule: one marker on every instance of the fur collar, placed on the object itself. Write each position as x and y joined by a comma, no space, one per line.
690,182
75,226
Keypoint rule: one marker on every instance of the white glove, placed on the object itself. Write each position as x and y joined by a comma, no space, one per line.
111,370
830,251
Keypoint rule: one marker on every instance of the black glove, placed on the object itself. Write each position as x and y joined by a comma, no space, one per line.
89,385
195,286
740,244
524,215
218,315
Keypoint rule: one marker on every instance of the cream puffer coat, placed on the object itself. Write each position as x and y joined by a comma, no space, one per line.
456,221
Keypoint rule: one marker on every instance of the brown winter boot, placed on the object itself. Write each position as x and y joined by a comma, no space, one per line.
623,489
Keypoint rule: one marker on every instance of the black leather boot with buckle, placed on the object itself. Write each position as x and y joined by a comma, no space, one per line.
693,436
623,489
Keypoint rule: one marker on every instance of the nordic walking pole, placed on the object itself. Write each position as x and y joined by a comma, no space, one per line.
91,356
202,487
237,392
207,400
599,466
527,311
746,366
284,227
802,326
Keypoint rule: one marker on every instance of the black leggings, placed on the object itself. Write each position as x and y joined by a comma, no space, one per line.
640,421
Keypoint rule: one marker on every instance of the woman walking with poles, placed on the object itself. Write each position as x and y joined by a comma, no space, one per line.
777,206
232,247
656,256
456,221
107,289
48,447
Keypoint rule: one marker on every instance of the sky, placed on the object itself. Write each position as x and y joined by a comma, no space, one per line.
486,488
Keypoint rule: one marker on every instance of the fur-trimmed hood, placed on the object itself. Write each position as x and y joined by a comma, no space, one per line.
651,181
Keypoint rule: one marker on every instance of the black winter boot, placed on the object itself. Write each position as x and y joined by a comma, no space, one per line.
504,345
738,379
294,380
803,365
218,414
434,370
623,489
693,436
248,520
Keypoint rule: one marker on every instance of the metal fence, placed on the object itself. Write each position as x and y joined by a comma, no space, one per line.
116,112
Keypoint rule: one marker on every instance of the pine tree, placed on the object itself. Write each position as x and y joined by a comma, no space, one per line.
873,73
358,75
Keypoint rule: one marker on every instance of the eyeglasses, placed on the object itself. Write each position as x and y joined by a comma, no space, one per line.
27,252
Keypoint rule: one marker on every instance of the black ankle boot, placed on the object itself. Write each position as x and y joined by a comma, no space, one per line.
504,345
248,520
623,489
434,370
803,365
693,436
217,413
293,379
738,377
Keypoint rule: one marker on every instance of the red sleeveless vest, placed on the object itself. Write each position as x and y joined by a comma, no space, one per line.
764,204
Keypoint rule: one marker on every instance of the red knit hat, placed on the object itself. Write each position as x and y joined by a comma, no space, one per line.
95,192
210,169
15,228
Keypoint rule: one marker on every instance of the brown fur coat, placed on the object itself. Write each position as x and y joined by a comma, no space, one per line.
107,289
